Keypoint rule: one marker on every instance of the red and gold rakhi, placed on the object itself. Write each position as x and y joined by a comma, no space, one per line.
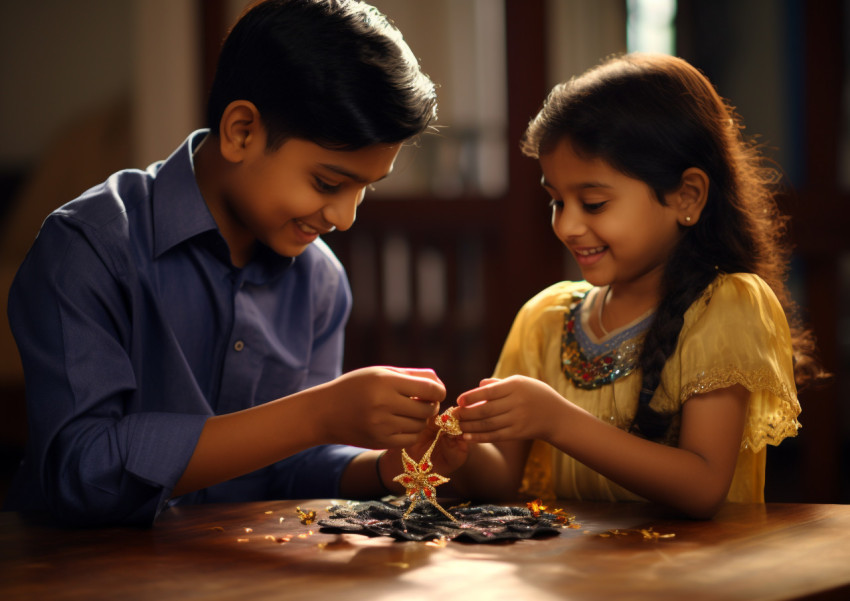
418,480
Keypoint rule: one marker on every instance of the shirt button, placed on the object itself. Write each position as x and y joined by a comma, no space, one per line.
238,345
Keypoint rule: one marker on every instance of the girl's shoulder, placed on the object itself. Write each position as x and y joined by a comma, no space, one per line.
736,301
544,311
736,291
560,296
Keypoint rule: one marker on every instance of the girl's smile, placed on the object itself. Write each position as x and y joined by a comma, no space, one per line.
614,226
588,256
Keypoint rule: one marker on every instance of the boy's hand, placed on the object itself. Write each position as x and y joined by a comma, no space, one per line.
380,407
448,455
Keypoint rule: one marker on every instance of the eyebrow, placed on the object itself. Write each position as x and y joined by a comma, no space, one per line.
350,174
581,186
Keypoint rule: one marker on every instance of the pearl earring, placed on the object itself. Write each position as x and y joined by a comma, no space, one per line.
687,219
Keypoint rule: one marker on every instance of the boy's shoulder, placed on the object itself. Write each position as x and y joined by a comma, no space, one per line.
101,204
129,202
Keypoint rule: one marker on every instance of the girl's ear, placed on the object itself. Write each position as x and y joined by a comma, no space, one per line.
240,128
690,197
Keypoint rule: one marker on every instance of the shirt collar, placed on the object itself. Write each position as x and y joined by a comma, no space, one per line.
180,213
179,210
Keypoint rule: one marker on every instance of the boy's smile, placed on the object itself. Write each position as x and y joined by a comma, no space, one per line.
288,197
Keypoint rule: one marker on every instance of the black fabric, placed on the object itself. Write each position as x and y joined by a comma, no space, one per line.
478,524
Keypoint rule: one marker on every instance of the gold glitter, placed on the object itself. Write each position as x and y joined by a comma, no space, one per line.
646,533
306,517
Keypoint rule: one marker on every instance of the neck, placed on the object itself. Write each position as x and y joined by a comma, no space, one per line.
626,302
211,173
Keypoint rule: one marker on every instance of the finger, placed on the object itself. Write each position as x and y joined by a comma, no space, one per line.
488,392
414,408
422,384
417,372
487,424
480,410
482,437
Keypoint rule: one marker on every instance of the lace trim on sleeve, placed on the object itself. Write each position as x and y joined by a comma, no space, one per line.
771,417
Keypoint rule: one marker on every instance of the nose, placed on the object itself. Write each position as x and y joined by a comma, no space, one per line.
342,211
568,222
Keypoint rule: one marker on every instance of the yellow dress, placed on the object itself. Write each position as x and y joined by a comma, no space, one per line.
735,333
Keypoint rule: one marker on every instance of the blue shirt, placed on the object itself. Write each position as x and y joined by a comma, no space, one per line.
134,327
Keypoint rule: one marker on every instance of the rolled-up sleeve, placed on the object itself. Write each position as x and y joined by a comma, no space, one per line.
94,455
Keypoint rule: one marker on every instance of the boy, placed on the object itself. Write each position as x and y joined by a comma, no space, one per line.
181,328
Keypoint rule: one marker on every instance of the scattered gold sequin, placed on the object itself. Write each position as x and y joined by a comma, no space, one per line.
306,517
645,533
536,507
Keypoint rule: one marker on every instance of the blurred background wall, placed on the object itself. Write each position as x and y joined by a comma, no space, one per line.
446,250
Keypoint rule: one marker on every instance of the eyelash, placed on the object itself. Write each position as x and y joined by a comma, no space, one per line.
326,188
590,207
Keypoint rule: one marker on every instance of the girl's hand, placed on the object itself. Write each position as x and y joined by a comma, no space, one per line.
516,408
379,407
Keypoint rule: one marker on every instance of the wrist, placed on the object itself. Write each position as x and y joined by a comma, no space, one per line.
314,402
384,466
382,485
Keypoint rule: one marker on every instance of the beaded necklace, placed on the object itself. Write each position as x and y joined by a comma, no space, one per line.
590,364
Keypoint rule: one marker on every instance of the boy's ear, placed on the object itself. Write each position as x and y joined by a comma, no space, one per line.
240,128
690,197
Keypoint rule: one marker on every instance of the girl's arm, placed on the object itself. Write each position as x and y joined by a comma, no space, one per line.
693,477
492,472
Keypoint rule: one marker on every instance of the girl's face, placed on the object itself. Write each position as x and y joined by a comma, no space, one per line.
616,230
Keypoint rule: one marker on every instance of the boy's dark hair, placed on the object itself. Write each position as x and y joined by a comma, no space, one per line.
333,72
652,117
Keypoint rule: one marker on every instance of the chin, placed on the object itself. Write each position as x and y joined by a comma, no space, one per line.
288,250
595,279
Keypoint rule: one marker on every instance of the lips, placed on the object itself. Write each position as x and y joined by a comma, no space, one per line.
310,230
589,255
587,252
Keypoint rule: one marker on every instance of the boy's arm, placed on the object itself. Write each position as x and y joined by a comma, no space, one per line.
94,455
370,407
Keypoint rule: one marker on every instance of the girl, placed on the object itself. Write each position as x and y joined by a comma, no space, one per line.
663,375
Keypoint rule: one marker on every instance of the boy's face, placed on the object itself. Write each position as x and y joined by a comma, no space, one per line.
288,197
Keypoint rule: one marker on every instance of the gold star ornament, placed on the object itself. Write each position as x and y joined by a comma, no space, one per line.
418,480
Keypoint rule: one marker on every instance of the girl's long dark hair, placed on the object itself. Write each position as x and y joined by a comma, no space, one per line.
652,117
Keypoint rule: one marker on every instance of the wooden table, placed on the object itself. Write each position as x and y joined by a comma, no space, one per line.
257,551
